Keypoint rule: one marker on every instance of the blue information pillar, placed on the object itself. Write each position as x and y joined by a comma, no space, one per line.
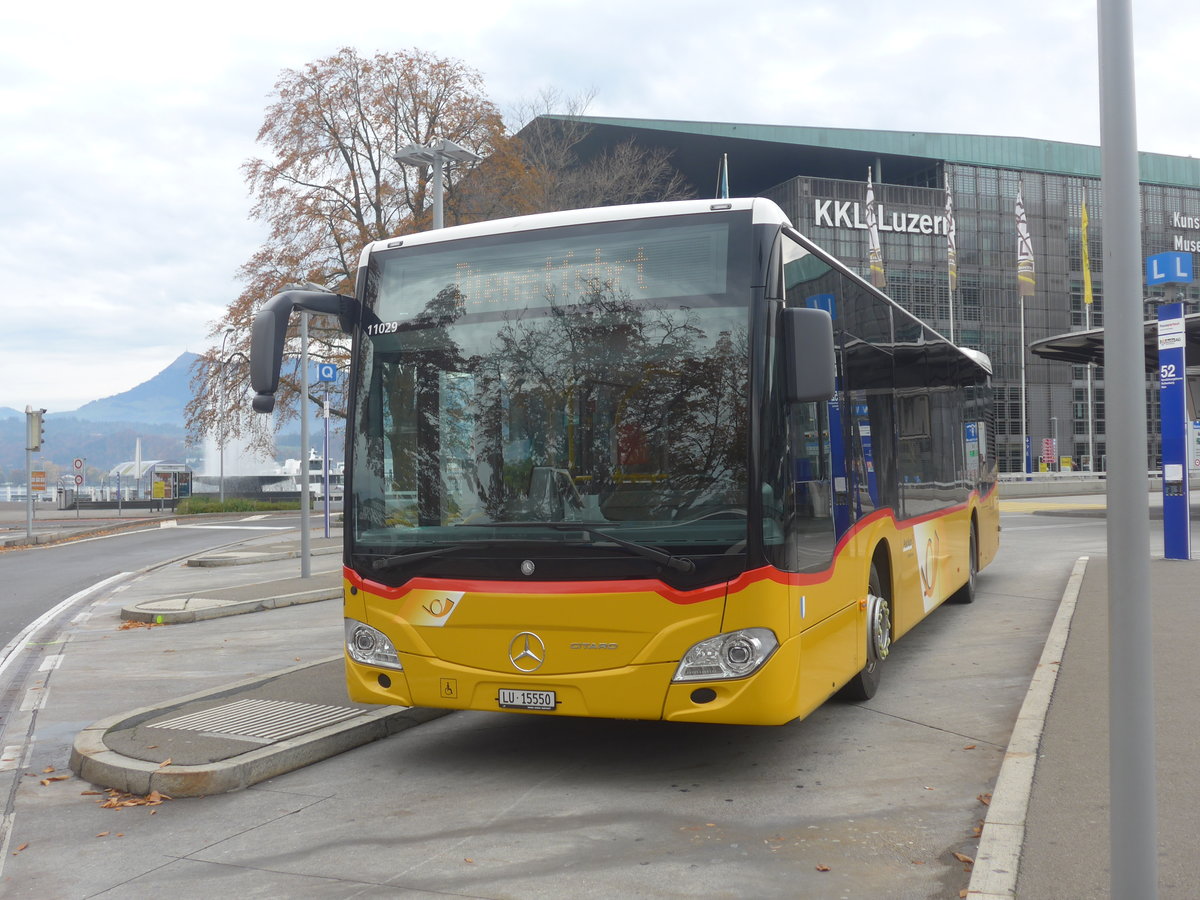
1172,380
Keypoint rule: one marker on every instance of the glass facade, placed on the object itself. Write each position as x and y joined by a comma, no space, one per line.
988,314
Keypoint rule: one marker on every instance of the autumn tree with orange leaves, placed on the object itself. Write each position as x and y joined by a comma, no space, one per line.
327,185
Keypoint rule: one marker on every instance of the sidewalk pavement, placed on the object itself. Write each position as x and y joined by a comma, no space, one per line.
1047,829
1046,833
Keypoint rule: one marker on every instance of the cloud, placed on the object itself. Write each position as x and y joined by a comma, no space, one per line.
125,214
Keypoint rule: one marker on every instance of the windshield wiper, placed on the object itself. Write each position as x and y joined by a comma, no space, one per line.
677,563
399,559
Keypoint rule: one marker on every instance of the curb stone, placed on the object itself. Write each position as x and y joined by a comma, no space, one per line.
94,762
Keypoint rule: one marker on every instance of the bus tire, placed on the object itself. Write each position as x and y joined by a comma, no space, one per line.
879,642
966,593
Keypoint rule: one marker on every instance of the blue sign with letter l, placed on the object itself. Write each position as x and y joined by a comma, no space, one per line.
1167,268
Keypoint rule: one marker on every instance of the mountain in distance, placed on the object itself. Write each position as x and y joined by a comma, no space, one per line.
159,401
106,432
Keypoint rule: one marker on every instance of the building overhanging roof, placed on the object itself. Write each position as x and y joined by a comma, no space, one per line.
792,143
1080,347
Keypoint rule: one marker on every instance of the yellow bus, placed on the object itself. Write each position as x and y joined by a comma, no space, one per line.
667,461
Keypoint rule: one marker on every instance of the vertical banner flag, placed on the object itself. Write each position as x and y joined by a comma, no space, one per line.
723,178
951,238
1026,276
1087,267
874,253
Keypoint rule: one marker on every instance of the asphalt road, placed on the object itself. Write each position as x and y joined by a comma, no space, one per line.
34,580
868,800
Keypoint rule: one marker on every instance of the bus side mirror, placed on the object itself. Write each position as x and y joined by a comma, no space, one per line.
268,335
809,361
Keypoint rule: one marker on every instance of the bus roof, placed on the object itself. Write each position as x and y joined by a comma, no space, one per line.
764,211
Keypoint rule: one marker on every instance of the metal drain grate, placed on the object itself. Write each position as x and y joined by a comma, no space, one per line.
261,721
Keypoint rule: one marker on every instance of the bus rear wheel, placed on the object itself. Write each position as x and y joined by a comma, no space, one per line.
879,642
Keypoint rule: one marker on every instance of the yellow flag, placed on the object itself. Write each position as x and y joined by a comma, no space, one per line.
1087,267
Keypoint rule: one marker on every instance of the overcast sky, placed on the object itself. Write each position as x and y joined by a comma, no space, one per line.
124,217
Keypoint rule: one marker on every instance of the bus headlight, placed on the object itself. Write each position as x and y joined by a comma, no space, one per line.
733,655
370,646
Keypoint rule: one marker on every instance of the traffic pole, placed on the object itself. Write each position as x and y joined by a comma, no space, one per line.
1133,815
305,537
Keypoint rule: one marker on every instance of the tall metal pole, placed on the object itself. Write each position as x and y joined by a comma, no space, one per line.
1132,804
221,413
438,162
1024,419
305,536
325,462
28,493
1087,326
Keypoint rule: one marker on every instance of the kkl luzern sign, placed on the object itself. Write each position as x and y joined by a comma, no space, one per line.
849,214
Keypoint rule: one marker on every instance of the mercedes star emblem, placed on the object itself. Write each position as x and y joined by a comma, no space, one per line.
527,652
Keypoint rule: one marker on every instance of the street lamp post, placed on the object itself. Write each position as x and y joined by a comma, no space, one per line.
221,416
435,156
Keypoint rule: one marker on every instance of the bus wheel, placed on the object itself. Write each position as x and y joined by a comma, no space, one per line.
966,593
879,642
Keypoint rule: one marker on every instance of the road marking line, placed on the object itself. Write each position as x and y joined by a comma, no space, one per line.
10,757
240,527
9,653
50,663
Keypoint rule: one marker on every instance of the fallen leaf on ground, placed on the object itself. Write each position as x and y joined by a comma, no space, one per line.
822,868
119,800
165,762
47,770
19,849
103,834
985,799
970,746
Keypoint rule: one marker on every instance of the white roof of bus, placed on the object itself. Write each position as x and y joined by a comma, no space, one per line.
765,211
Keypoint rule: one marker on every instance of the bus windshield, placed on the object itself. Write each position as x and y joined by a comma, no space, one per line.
512,386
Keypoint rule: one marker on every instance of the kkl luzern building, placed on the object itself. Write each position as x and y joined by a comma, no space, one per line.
819,176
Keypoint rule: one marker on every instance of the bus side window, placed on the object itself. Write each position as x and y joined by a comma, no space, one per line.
811,539
810,459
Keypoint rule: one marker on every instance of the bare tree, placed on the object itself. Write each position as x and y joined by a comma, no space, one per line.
327,187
